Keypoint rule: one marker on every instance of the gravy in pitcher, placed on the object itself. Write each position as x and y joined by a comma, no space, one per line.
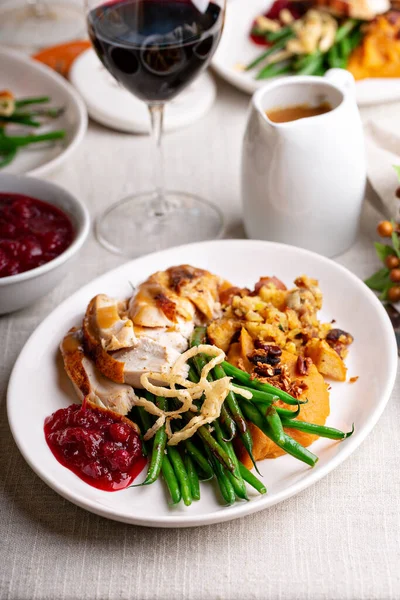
299,111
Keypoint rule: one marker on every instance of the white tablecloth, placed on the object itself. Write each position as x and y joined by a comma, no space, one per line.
336,540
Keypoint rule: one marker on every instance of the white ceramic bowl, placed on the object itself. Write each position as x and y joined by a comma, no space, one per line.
19,291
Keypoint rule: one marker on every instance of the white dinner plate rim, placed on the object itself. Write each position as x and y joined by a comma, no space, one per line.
69,91
238,510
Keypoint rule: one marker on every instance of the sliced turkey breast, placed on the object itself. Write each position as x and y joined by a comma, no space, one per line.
156,305
114,328
198,285
127,365
173,297
178,340
147,356
162,314
88,382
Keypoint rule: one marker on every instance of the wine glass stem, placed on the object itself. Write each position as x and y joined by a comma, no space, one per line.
159,204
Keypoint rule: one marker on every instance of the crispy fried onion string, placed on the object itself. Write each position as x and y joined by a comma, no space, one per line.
213,392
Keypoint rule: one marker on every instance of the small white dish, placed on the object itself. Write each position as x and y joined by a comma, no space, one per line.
24,77
19,291
373,357
110,104
236,48
303,181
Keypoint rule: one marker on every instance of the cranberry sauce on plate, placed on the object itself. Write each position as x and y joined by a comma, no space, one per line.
32,233
99,446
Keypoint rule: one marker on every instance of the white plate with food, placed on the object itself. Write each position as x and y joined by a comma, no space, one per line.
236,50
273,333
59,113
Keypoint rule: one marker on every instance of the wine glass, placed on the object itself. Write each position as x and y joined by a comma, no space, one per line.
155,48
34,24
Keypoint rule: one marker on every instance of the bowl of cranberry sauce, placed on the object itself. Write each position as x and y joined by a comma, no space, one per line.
32,233
42,228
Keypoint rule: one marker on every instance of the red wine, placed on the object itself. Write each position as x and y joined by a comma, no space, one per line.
155,47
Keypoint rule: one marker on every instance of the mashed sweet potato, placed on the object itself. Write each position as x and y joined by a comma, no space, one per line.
315,411
378,55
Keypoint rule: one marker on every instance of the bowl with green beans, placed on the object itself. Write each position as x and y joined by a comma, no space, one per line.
42,119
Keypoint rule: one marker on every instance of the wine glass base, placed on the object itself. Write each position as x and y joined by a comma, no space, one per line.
135,226
39,24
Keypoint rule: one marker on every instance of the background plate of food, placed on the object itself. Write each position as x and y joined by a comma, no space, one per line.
272,327
42,119
309,38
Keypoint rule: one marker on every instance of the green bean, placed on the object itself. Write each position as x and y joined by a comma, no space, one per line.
224,484
356,38
145,418
20,120
202,462
228,423
259,32
246,379
320,71
273,36
8,143
268,423
274,69
160,440
345,29
298,451
199,336
312,66
235,478
321,430
288,414
181,475
237,415
345,47
7,158
200,361
283,441
171,480
274,421
192,375
282,412
279,44
333,57
304,60
52,112
34,100
215,448
198,457
193,477
204,433
252,479
260,397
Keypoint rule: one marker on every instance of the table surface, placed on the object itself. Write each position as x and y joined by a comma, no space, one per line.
337,539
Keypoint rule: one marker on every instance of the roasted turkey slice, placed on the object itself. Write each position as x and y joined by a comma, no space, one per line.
199,286
89,382
173,297
107,315
127,365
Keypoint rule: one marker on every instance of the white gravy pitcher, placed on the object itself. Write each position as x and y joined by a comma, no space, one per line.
303,181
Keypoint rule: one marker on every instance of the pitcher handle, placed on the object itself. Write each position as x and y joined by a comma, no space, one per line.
343,79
